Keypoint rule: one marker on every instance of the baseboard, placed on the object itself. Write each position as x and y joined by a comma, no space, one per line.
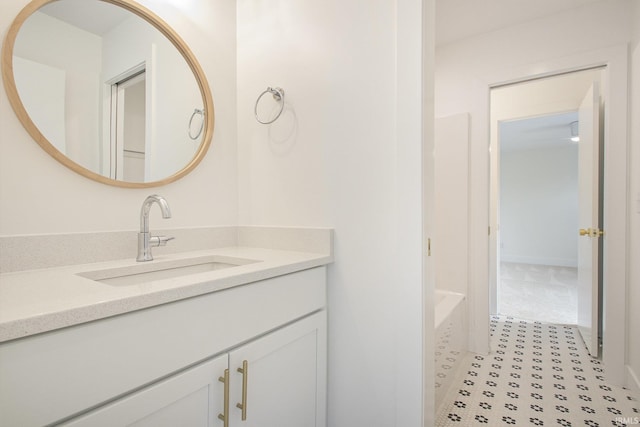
633,381
556,262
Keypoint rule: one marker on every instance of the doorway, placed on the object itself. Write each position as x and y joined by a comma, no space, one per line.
128,124
538,213
541,268
482,290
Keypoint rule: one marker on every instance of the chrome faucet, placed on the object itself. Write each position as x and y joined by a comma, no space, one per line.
145,239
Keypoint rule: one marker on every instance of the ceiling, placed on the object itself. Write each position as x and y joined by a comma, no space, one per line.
459,19
455,19
95,17
548,131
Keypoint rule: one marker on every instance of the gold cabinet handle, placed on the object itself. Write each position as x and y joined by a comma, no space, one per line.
225,411
245,376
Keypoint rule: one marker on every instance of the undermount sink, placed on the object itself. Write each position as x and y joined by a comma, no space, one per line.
152,271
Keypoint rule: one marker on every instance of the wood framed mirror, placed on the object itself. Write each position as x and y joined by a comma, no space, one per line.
109,90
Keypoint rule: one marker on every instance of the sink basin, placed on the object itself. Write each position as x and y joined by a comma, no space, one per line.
152,271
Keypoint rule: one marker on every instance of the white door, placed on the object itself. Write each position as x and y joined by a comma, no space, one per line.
277,380
589,219
193,398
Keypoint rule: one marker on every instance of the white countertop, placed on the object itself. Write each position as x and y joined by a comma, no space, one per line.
36,301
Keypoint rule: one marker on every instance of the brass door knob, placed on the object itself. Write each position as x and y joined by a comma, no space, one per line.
591,232
587,232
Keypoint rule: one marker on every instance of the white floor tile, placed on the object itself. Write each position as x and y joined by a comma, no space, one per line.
537,374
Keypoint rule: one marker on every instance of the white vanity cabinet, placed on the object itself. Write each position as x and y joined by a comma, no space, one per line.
191,398
282,383
161,366
277,380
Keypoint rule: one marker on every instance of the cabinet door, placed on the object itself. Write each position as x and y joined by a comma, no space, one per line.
193,398
279,380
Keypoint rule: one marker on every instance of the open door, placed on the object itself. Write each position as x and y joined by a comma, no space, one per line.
589,218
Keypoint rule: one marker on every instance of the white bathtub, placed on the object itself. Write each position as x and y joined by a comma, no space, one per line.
451,339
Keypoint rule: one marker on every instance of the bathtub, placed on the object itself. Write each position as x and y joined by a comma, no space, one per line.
451,340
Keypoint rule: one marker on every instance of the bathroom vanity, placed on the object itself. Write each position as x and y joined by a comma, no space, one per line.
239,344
222,331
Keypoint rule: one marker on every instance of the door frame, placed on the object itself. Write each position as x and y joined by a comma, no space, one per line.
615,92
568,102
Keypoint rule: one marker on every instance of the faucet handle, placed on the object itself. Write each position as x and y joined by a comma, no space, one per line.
159,240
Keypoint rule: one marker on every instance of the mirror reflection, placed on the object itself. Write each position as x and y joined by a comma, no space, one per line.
109,90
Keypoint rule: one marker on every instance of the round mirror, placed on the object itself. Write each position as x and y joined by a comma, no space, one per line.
109,90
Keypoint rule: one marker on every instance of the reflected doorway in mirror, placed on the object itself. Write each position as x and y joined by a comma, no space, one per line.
127,124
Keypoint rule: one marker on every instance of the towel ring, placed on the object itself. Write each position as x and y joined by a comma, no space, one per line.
196,111
278,95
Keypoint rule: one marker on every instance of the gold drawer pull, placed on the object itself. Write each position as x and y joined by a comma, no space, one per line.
245,376
225,415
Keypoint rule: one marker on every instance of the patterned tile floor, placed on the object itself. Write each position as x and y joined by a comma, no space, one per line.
537,374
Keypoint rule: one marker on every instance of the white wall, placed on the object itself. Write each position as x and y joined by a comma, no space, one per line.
58,49
450,245
464,69
633,348
39,195
461,65
539,206
42,92
345,153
